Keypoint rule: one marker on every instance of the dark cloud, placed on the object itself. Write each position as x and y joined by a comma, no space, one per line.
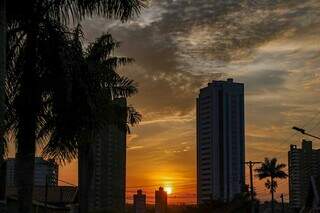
165,94
181,45
176,43
264,81
211,30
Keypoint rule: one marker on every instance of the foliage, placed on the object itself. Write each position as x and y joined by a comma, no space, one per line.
271,170
36,57
85,103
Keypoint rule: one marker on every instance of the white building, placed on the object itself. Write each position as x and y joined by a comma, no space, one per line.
220,141
42,169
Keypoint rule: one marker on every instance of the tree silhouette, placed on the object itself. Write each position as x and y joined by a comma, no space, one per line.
3,39
272,170
92,102
35,27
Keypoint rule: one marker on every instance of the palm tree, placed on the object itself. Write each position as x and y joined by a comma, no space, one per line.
32,28
26,89
3,38
271,170
90,104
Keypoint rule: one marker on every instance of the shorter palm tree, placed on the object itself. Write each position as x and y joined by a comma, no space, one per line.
91,98
272,170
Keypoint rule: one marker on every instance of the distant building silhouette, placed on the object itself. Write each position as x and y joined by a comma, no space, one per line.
107,189
220,141
59,199
303,163
161,201
140,202
42,169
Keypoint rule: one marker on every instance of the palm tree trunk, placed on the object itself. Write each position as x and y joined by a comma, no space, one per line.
84,177
272,196
82,182
24,177
3,60
28,106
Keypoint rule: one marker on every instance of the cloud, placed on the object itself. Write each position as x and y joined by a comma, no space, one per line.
134,147
167,96
186,34
181,45
264,81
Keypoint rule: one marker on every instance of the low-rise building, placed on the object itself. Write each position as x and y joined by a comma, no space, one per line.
161,201
60,199
42,169
139,202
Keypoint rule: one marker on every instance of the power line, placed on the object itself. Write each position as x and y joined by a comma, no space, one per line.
71,184
158,185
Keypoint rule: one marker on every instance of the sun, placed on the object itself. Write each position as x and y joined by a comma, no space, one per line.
168,189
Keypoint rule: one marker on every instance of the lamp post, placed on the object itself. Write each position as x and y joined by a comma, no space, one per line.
304,132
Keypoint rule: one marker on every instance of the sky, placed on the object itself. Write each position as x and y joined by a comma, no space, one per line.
272,46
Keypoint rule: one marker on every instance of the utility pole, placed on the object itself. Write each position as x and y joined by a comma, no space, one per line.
282,203
251,164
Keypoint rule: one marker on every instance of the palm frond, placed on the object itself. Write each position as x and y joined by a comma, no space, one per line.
270,169
272,186
60,150
134,117
121,9
122,87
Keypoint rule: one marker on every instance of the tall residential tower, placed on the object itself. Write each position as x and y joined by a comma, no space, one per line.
220,141
108,182
303,163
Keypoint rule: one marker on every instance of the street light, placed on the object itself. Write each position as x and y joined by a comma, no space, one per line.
304,132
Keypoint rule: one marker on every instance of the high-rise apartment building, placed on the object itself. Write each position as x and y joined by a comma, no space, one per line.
42,169
303,163
107,187
161,201
140,202
220,141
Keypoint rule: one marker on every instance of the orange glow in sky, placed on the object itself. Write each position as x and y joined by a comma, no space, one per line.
179,48
168,189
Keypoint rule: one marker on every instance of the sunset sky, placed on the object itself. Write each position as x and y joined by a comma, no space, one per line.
272,46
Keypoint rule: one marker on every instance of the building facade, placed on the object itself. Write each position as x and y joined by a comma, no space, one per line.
108,182
161,201
140,202
303,163
220,141
42,169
